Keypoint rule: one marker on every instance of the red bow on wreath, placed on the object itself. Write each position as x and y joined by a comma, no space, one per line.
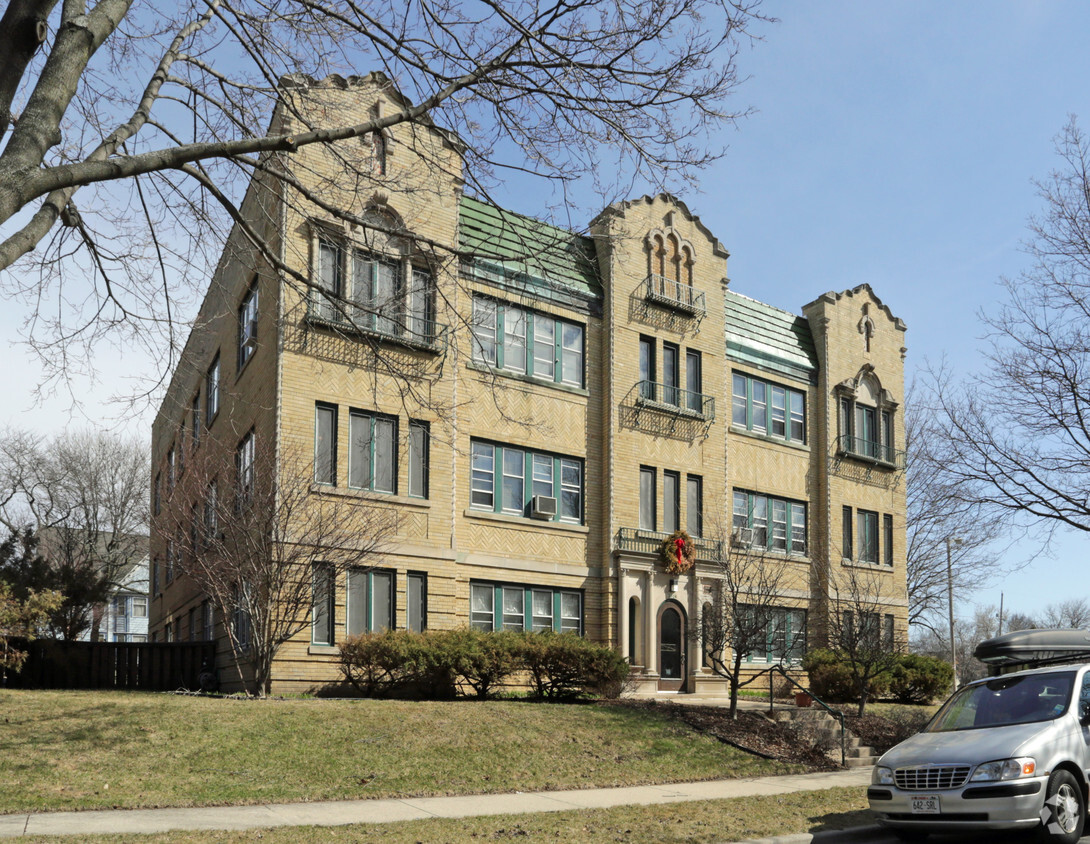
678,552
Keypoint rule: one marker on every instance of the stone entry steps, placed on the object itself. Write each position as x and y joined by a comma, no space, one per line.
817,721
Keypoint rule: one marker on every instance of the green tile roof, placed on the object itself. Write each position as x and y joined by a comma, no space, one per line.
519,252
765,336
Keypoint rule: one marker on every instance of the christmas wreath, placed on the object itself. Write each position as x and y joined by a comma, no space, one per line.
678,552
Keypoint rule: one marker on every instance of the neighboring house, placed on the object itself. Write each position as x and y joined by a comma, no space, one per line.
587,396
125,616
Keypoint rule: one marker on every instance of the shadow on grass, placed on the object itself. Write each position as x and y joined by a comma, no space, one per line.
840,820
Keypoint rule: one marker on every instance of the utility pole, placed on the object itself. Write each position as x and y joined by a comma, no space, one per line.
950,606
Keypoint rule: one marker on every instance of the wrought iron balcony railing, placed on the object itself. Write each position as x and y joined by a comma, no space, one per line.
671,399
869,450
401,328
650,541
674,294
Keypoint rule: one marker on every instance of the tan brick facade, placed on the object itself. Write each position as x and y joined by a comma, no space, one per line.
656,292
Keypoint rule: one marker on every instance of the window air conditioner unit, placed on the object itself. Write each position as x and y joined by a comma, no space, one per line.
741,537
542,507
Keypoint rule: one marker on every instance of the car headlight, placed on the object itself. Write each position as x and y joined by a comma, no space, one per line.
882,776
1005,769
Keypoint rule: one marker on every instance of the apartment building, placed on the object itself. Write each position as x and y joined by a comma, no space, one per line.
541,414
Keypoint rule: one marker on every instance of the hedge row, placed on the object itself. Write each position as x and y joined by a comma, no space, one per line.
442,664
913,678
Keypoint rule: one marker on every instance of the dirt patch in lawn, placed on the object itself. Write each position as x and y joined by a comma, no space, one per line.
751,732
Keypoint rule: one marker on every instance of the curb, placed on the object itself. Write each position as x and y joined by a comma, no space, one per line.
861,833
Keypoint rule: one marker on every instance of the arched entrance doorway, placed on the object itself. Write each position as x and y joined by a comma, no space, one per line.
671,647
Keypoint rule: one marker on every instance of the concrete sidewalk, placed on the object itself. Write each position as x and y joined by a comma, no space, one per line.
136,821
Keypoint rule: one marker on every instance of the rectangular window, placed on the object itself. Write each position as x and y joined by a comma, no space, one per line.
244,465
139,606
211,513
867,529
647,368
866,432
767,408
172,553
671,377
527,342
194,625
846,531
376,292
195,420
693,382
773,523
419,447
181,448
212,391
325,444
522,607
671,501
157,494
247,326
330,281
324,593
785,635
154,577
370,600
694,505
522,475
421,306
647,498
171,476
416,602
372,452
887,538
206,613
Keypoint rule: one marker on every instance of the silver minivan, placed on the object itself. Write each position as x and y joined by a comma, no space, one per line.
1007,752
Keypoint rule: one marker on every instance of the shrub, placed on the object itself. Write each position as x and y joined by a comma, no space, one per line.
920,679
831,678
377,664
564,666
481,661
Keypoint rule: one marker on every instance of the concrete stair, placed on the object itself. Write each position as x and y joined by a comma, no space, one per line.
823,726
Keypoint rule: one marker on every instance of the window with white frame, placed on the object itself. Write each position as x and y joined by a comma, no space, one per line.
244,464
522,482
527,342
372,451
785,635
212,391
371,600
648,492
769,523
247,325
767,408
139,606
511,606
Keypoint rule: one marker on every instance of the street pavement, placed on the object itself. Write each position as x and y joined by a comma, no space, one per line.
137,821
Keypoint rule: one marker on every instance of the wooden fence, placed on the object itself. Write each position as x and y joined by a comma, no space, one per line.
147,666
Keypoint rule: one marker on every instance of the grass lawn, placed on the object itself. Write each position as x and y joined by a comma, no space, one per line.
82,750
700,821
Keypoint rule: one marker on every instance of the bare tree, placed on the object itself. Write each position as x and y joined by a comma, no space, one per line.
1071,613
86,496
968,633
948,544
267,550
131,130
861,629
1015,443
747,605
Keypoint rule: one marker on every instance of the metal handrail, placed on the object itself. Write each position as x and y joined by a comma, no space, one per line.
675,294
676,399
836,713
406,329
649,541
868,449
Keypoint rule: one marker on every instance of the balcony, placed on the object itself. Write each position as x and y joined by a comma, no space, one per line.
675,400
674,294
650,541
408,330
869,450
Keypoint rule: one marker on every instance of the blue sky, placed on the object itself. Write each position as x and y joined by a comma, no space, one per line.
894,143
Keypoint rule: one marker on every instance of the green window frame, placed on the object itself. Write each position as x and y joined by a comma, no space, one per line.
776,524
372,451
867,527
767,408
505,479
785,636
516,606
371,600
538,345
323,614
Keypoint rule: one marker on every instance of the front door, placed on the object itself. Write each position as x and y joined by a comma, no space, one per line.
671,650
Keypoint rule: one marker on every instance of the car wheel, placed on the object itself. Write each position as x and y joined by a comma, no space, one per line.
1064,810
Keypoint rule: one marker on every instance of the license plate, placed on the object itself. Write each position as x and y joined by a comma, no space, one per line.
925,804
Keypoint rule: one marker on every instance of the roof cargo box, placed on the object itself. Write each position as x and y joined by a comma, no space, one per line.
1035,647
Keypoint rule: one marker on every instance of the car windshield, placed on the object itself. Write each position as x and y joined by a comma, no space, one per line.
1005,700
